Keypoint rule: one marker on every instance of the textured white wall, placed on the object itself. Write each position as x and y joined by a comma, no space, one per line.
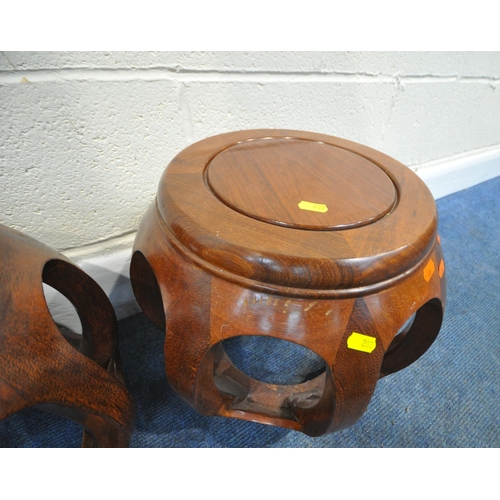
85,136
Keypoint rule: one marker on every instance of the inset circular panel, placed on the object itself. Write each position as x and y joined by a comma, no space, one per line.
301,184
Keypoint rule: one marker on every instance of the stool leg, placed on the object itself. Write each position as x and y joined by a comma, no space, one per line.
315,420
11,401
98,341
98,430
64,381
355,373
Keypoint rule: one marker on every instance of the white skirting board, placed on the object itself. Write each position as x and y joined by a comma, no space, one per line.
453,175
108,263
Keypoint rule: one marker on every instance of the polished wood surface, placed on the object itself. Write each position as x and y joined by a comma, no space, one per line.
76,376
353,190
273,258
226,251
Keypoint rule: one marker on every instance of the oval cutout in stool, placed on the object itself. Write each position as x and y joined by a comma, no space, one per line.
63,311
272,360
146,289
415,339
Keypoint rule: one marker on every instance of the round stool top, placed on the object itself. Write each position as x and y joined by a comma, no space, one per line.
296,212
301,184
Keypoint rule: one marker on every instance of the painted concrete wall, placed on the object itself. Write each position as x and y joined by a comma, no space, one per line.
84,137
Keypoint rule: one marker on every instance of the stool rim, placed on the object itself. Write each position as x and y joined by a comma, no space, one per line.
294,260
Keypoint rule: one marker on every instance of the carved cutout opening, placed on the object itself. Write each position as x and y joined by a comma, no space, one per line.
276,381
63,311
414,338
403,331
273,361
57,292
146,289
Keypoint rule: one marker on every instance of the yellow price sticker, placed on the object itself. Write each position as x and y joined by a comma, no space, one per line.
313,207
360,342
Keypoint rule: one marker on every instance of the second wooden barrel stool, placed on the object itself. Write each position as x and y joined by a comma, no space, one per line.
78,377
302,237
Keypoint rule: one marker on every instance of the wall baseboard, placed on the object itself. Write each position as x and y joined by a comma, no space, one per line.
445,177
108,262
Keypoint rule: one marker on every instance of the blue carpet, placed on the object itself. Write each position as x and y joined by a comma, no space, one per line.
449,398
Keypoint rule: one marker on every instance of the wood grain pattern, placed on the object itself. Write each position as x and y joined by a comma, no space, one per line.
80,380
224,251
248,176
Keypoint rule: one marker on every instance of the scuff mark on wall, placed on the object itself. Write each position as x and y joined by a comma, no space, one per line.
186,113
398,88
8,60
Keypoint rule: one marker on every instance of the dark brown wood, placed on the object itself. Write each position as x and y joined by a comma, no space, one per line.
299,236
247,176
79,379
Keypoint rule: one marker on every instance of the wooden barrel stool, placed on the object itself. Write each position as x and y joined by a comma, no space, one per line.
77,377
298,236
